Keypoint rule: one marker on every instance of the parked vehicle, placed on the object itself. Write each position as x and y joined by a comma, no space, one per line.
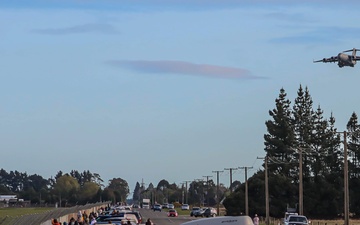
296,220
199,213
194,211
209,212
234,220
185,207
137,214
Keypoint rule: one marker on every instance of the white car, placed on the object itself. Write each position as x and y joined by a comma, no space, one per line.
185,207
171,206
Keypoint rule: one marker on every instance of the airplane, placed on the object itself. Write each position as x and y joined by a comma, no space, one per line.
343,59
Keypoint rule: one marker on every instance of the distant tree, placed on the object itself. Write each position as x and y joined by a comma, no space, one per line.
120,188
137,193
66,188
88,192
108,195
162,185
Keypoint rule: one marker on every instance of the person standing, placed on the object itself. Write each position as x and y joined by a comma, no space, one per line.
256,220
55,222
148,222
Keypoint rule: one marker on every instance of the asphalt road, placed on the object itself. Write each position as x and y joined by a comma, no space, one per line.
161,218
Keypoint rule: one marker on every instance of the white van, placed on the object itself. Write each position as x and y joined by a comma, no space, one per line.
222,220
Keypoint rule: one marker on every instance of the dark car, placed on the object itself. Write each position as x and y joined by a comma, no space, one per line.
199,213
194,211
157,207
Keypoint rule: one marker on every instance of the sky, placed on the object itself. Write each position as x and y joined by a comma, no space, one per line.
152,89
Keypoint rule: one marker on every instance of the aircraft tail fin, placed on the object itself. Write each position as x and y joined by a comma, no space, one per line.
353,54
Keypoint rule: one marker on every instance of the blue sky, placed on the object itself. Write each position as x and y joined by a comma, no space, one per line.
162,89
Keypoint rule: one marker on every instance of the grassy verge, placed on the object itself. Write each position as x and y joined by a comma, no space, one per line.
21,211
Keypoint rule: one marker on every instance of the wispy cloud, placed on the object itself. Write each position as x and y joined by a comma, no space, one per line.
186,68
78,29
325,35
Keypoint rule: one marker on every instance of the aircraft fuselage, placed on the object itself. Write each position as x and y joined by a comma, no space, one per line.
345,60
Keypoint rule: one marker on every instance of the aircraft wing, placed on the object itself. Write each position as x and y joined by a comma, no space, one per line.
331,59
357,58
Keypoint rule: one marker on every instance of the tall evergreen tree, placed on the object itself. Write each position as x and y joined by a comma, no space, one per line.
354,145
137,192
280,137
303,123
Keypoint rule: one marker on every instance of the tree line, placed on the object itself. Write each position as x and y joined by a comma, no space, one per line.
64,189
301,127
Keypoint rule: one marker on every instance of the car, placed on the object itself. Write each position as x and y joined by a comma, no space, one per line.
136,206
157,207
185,207
137,214
194,210
171,206
165,206
209,212
296,220
199,213
117,220
172,213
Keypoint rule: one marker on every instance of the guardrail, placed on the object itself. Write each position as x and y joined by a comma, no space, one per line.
44,218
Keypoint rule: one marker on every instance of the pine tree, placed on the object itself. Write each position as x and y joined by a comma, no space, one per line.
354,145
280,137
303,123
137,192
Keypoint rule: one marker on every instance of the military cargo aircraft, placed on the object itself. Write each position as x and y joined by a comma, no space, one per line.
343,59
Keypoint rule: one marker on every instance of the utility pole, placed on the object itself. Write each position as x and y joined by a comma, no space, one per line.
346,180
200,193
186,191
217,190
267,221
231,169
207,189
182,192
246,189
301,207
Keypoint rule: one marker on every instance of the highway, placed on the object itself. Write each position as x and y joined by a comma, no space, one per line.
160,218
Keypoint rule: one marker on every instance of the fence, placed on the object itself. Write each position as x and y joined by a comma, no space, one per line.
63,214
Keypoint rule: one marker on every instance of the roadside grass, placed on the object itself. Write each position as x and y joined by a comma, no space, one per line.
21,211
182,212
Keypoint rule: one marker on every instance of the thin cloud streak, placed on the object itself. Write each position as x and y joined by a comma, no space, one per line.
78,29
328,35
181,67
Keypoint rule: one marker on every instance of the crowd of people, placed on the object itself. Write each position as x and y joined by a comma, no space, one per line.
82,219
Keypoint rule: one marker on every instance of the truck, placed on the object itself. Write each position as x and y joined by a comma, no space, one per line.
146,203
